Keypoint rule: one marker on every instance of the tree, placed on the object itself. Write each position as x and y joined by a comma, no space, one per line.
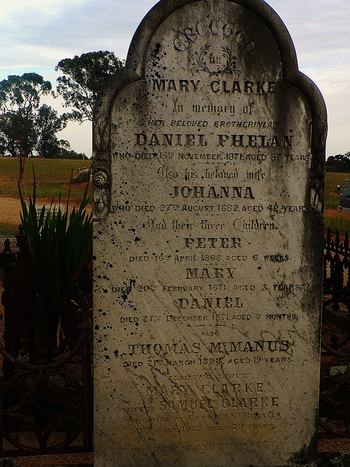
17,134
19,101
83,78
22,93
338,163
47,124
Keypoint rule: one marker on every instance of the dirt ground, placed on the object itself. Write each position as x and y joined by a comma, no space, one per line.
10,209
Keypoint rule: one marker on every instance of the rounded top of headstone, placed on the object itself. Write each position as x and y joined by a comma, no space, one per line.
215,30
165,8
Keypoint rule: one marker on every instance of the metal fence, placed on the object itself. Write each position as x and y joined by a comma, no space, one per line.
46,380
334,419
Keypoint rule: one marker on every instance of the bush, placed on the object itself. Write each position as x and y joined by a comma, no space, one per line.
60,243
8,462
343,460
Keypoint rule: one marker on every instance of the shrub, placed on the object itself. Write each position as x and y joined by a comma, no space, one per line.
8,462
343,460
60,242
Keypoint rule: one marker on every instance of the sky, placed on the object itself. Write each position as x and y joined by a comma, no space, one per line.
36,34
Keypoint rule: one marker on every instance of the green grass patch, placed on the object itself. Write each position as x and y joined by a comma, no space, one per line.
52,182
52,177
7,229
334,218
334,221
331,196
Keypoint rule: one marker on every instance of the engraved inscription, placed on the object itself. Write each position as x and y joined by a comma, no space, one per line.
206,242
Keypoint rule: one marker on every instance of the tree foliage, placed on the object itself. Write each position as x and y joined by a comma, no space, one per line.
17,134
82,80
339,163
48,123
25,126
22,93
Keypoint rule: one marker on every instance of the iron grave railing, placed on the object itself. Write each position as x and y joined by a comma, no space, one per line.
46,356
334,419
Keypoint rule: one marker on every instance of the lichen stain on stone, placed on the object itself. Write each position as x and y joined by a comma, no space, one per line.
155,54
128,288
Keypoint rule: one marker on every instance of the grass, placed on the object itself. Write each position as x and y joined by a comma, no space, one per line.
334,218
7,229
52,176
337,221
331,197
52,182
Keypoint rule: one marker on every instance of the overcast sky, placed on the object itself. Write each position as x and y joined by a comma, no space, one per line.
36,34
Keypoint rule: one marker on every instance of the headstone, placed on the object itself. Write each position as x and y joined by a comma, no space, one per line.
49,208
345,196
208,198
346,188
83,176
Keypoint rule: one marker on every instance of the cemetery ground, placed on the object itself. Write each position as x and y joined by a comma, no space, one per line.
52,184
52,181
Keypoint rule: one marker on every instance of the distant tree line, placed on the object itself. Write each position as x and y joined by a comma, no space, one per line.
30,128
339,163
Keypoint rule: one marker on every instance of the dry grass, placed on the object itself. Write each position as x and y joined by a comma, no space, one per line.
53,183
335,219
52,177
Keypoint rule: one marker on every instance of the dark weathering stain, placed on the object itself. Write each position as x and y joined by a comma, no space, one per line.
307,454
128,289
156,60
155,52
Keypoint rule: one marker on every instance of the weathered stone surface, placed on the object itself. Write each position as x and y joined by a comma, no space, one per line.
208,176
346,188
